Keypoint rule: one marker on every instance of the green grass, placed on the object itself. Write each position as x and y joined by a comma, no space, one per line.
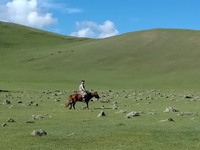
34,61
82,129
159,58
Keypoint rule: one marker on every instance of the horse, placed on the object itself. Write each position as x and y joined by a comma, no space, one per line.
72,99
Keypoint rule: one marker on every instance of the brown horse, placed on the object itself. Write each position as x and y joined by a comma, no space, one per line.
72,99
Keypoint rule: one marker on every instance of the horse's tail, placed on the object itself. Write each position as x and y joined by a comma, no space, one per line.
69,101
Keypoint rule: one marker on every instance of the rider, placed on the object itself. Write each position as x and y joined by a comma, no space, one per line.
82,89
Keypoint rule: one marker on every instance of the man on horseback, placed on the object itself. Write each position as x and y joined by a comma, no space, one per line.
82,90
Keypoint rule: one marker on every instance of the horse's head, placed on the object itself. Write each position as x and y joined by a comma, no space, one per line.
96,95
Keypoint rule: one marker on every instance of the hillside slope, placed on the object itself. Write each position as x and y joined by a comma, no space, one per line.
163,58
158,58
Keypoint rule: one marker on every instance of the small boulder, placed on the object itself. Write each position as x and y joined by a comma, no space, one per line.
171,109
7,101
170,120
101,114
30,122
167,120
187,114
10,120
132,114
37,117
188,97
4,125
38,132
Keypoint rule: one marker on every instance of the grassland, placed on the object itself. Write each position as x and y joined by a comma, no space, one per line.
145,71
159,58
82,129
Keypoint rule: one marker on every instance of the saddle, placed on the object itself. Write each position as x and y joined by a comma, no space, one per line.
84,94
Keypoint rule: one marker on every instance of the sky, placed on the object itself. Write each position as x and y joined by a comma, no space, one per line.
101,18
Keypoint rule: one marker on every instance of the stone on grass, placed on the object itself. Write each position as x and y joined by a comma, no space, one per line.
7,101
170,119
187,114
167,120
101,114
10,120
188,97
132,114
37,117
19,102
30,122
171,109
4,125
38,132
115,106
102,107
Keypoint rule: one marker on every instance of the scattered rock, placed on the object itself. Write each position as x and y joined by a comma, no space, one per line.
19,102
10,120
188,97
30,122
171,109
38,132
7,101
132,114
57,100
170,119
4,125
102,107
115,103
30,103
126,96
167,120
187,114
37,117
102,113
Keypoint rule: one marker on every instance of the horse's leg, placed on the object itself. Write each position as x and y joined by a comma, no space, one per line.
70,106
74,105
87,103
70,102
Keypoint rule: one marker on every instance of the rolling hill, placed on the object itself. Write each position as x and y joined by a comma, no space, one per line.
157,58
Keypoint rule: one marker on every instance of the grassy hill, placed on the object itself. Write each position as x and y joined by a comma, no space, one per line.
45,68
158,58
